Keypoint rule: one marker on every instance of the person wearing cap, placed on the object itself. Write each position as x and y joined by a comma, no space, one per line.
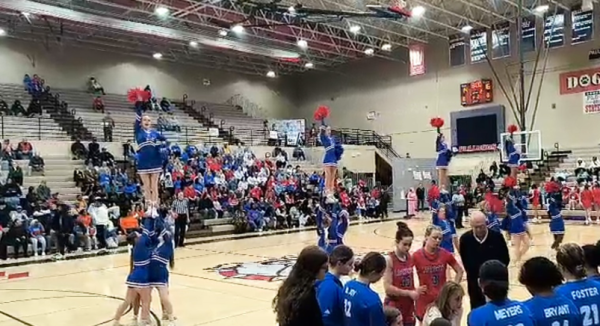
477,246
499,309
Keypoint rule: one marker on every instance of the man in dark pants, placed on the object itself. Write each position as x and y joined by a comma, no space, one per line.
108,124
420,198
181,208
476,247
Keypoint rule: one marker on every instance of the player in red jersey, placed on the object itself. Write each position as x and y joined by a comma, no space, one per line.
431,263
398,279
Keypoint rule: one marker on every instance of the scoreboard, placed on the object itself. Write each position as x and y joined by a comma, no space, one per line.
477,92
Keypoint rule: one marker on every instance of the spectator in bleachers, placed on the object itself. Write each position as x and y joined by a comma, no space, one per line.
36,163
595,167
96,87
106,158
36,236
27,83
580,166
31,200
24,150
62,225
93,152
173,122
17,109
154,105
4,107
43,191
78,150
165,105
299,153
15,173
11,192
8,152
34,108
100,216
17,236
107,126
162,123
98,104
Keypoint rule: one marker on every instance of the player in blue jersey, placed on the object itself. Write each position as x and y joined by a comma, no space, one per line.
540,276
584,292
439,219
592,260
330,291
557,224
500,310
362,305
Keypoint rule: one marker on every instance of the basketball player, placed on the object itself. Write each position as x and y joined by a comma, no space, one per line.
398,280
431,263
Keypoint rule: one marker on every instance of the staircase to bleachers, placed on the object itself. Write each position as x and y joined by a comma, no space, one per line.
66,118
123,114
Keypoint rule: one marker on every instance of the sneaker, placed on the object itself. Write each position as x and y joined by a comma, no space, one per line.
587,222
43,254
134,321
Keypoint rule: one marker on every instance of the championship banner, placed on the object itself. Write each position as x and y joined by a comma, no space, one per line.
416,54
591,102
290,129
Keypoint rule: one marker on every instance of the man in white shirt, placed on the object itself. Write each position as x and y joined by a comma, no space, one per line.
99,213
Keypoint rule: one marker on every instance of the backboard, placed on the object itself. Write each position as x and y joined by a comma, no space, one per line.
528,143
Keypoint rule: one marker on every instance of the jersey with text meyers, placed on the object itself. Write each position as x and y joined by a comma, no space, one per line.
506,313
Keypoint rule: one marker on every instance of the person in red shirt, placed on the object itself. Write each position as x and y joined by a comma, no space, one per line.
431,263
256,193
534,199
587,200
398,280
596,205
573,198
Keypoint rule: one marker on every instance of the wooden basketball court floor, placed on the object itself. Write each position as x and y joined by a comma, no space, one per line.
216,284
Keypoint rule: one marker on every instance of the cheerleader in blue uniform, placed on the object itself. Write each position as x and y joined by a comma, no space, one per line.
523,203
439,219
514,157
333,153
150,159
516,227
323,224
138,283
162,259
443,152
492,219
343,221
557,224
446,199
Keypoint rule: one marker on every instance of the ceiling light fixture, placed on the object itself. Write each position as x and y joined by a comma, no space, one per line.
238,28
223,32
302,43
355,29
157,56
309,65
292,9
271,74
2,32
26,14
193,44
467,28
369,51
541,9
418,11
386,47
161,11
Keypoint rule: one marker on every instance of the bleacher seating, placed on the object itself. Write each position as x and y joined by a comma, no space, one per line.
248,129
17,128
58,175
122,113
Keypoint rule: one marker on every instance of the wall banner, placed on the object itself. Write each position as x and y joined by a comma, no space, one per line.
591,102
416,54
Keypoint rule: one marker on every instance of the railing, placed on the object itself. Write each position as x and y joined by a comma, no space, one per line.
367,137
36,132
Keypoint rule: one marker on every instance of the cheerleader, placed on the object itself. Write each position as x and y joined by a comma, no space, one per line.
514,157
492,218
446,198
515,224
333,153
343,220
162,256
522,205
138,280
150,159
444,154
326,230
439,219
557,224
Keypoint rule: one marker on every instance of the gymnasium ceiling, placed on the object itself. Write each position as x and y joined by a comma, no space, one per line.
133,27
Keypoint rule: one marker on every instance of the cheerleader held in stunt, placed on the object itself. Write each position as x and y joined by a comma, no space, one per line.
150,161
333,154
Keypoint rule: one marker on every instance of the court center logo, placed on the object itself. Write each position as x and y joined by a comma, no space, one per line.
270,270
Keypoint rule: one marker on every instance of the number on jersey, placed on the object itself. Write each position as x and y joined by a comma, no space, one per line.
347,308
564,323
590,315
435,280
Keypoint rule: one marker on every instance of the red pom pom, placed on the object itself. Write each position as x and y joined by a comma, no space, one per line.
512,128
321,113
437,122
138,95
510,182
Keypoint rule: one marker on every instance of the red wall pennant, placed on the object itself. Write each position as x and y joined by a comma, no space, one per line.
416,54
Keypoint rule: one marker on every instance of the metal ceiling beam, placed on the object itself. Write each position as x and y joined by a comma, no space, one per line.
487,11
347,7
451,13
